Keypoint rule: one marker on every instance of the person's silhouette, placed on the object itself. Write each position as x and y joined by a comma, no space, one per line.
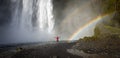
57,39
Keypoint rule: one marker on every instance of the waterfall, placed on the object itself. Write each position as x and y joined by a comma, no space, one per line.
45,16
26,16
22,15
25,13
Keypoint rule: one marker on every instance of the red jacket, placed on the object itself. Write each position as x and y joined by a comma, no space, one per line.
57,39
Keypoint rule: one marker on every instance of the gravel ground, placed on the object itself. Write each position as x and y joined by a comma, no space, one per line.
55,50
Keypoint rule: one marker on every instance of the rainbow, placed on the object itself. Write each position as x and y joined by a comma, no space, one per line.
93,21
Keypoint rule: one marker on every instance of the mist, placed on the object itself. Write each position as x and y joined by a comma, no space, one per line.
26,21
42,20
71,15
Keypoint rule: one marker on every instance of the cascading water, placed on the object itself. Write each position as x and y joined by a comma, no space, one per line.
33,20
29,12
22,18
45,16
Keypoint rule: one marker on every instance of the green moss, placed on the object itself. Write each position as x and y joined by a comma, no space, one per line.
112,29
102,43
108,6
97,32
106,34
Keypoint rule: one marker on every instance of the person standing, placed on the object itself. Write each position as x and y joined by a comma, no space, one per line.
57,39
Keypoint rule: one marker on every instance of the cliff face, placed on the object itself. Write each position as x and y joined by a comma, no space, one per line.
107,33
106,7
105,40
